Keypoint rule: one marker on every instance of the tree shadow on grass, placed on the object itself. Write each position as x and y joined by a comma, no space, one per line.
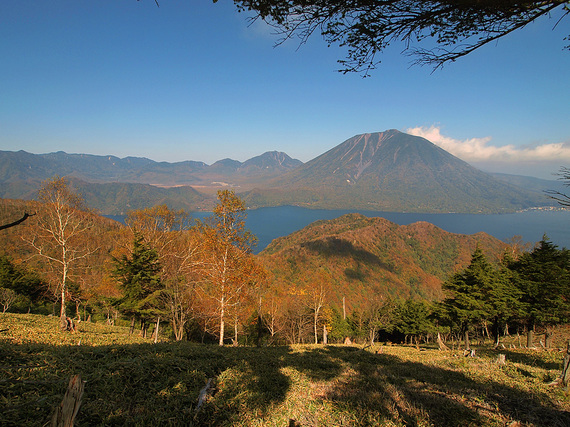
530,357
142,384
318,363
159,384
385,388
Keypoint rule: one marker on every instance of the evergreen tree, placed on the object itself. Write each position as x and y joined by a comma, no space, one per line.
23,282
466,303
139,280
339,327
412,318
543,279
503,301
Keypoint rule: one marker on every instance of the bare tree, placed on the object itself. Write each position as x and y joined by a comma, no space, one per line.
7,298
61,236
227,257
317,298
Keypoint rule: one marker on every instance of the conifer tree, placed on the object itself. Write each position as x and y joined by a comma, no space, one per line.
502,297
139,280
466,304
543,279
412,318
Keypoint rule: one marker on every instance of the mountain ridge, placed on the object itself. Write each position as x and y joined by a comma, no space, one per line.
359,256
379,171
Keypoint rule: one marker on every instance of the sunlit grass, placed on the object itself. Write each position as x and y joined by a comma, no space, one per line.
131,381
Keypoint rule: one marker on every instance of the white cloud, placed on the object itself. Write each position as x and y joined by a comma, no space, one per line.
479,149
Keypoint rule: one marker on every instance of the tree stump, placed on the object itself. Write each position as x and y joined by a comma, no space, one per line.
565,374
67,324
65,413
501,359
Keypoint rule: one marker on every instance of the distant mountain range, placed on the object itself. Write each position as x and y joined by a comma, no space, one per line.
385,171
115,186
22,166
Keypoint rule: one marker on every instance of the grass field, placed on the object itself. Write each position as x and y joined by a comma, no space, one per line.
130,381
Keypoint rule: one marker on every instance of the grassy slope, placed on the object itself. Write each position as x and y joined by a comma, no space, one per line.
130,381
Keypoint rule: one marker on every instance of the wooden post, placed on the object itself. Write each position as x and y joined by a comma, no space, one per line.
156,331
565,374
325,335
65,413
501,359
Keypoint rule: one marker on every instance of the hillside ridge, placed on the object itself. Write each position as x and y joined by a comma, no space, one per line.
359,255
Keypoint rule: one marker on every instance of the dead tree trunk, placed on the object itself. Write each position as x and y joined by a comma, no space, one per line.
548,338
530,337
156,330
65,413
206,390
466,337
565,374
440,343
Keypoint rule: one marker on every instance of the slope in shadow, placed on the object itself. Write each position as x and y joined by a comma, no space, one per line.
334,246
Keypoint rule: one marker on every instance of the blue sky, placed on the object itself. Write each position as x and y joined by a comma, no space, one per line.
191,80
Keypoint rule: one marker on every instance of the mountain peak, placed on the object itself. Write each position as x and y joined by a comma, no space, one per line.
271,160
394,171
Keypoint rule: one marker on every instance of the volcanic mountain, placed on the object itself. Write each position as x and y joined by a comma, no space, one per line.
393,171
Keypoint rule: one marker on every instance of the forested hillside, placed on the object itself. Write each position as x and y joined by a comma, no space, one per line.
357,257
352,277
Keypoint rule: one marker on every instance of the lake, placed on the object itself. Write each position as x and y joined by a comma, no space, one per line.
270,223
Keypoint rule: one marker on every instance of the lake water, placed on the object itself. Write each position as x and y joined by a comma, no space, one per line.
270,223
